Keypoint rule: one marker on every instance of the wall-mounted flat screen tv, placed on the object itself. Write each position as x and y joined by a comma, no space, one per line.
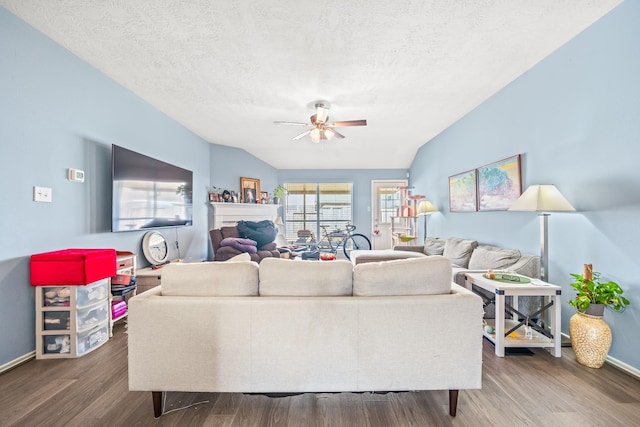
148,193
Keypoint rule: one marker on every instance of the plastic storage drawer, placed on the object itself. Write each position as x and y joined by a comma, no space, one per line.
92,315
91,293
92,338
56,320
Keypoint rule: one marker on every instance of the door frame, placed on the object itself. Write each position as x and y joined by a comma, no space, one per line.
383,240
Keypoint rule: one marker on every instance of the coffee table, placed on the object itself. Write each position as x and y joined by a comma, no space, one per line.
511,332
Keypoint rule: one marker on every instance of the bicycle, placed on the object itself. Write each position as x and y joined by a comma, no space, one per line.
347,240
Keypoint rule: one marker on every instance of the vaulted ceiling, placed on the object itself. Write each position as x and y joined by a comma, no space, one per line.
228,69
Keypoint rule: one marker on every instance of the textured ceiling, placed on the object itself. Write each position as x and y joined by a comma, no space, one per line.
227,69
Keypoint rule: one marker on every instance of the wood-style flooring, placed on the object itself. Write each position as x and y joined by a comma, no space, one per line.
537,390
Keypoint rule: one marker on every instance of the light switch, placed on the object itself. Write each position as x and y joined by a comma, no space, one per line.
42,194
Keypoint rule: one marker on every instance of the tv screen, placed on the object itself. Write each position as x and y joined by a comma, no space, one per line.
148,193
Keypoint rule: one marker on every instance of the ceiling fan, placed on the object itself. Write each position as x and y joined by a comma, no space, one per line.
320,128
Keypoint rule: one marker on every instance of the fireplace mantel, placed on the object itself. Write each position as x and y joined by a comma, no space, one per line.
228,214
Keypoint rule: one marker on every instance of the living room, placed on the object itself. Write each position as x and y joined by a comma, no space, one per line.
573,117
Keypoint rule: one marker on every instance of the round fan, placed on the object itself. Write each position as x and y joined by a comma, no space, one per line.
319,127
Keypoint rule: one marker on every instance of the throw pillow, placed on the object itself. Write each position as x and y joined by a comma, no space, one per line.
210,279
485,256
283,277
459,251
434,246
411,276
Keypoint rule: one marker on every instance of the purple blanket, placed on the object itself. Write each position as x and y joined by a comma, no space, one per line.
244,245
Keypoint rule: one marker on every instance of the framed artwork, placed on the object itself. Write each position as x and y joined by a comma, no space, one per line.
264,197
499,184
462,192
249,190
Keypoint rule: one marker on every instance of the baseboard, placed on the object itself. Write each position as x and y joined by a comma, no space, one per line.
16,362
627,369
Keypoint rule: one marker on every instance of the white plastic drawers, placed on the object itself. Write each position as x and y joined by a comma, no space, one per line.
71,320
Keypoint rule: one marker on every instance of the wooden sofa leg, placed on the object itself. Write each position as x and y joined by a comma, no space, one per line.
157,403
453,402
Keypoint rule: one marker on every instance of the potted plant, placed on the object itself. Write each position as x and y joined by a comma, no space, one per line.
590,334
278,194
594,295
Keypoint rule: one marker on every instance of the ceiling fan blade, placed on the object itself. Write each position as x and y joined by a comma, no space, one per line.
337,134
302,135
348,123
291,123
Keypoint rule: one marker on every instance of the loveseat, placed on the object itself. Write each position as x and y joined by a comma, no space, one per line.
287,326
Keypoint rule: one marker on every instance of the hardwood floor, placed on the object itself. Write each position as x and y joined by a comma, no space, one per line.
517,391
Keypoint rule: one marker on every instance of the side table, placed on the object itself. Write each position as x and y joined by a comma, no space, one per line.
147,278
511,332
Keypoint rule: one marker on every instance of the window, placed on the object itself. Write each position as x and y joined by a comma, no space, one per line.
310,205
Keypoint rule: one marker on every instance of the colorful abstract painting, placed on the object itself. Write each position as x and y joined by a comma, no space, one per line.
499,184
462,192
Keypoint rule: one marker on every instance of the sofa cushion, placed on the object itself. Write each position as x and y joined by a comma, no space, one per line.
241,257
360,256
485,256
459,251
411,276
283,277
215,279
434,246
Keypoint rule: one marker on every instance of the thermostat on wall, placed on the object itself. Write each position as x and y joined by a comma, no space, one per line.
76,175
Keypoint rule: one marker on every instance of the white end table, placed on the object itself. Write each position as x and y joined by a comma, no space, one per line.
511,332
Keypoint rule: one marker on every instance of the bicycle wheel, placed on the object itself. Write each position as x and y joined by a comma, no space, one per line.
356,241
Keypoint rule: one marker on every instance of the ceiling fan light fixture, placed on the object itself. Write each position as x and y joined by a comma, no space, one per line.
315,135
329,133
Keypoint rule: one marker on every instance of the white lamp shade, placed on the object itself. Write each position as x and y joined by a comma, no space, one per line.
542,198
425,207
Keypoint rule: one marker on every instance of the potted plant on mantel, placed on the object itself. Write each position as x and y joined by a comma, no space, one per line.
590,334
278,194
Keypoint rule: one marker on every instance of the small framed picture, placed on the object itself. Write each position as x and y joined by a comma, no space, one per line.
264,197
214,197
249,189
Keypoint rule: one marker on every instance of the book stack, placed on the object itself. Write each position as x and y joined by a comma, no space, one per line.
123,287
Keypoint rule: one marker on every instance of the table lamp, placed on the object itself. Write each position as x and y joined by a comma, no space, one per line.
543,199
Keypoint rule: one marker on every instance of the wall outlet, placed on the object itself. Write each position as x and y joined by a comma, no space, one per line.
42,194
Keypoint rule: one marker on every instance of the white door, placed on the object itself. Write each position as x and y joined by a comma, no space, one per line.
385,201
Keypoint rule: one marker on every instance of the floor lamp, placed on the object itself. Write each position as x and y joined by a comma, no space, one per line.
542,199
426,208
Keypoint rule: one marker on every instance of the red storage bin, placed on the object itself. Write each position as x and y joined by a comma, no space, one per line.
72,266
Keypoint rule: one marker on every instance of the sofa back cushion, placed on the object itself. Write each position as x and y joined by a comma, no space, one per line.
411,276
283,277
458,251
210,279
434,246
484,257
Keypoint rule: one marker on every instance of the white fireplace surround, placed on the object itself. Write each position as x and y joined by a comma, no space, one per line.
228,214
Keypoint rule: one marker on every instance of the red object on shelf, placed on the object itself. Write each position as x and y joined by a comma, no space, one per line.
72,266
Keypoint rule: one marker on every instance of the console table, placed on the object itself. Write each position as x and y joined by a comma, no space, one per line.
511,332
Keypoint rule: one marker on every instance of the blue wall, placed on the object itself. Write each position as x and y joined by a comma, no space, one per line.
575,119
57,112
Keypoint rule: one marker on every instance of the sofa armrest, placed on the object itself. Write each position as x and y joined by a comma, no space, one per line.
409,248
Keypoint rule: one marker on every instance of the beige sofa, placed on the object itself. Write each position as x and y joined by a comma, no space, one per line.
289,326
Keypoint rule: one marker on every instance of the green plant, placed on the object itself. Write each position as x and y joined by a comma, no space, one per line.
592,291
279,191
